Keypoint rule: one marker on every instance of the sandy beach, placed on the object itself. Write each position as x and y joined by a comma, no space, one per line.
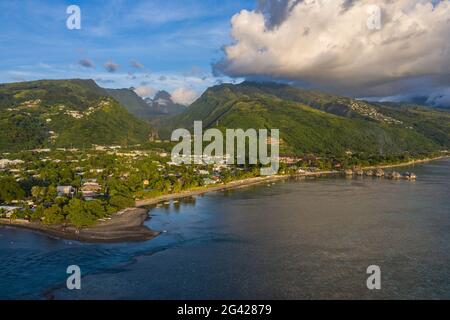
231,185
406,164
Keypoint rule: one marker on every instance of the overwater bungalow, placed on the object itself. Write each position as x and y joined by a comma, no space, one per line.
379,173
409,176
394,175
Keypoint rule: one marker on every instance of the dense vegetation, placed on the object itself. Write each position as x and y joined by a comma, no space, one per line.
132,102
123,176
64,113
319,123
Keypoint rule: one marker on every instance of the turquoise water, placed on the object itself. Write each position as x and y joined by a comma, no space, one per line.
296,239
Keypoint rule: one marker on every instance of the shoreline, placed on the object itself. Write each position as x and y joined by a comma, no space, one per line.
124,226
128,225
406,164
258,180
222,187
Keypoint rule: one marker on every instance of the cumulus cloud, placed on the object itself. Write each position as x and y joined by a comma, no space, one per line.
86,63
184,96
145,91
329,44
111,66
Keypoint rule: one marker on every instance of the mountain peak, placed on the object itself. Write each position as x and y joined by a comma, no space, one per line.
148,108
162,104
313,121
162,94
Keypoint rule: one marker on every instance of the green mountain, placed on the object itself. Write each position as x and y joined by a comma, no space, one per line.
63,113
132,102
316,122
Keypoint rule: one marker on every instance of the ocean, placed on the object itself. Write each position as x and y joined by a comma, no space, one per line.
308,238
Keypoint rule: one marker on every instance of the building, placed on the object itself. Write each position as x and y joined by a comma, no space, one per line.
208,181
65,191
96,170
4,163
90,189
8,210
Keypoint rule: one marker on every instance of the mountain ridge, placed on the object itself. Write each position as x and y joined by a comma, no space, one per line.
316,122
149,109
62,113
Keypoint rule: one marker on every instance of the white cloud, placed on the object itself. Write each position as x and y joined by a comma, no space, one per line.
184,96
328,43
145,91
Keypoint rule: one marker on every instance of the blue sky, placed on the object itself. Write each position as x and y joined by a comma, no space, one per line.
171,44
158,44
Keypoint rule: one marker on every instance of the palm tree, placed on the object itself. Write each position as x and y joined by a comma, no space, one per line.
13,216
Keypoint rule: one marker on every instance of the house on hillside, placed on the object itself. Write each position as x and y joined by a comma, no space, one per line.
5,163
96,170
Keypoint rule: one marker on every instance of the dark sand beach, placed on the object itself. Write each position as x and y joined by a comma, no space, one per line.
124,226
